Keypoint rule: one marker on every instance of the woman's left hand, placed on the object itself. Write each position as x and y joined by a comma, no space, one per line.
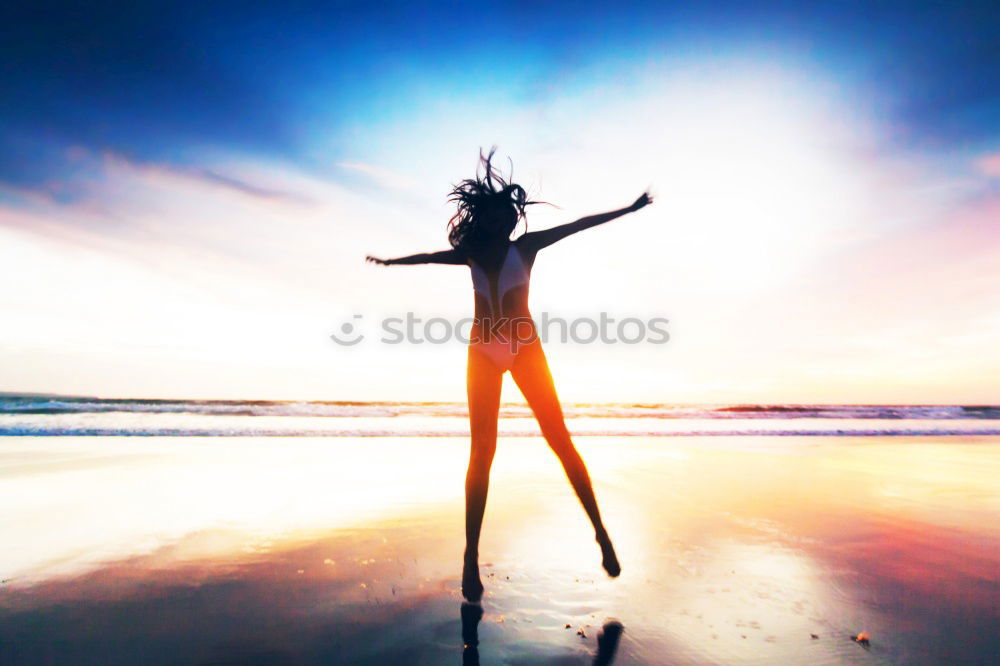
644,200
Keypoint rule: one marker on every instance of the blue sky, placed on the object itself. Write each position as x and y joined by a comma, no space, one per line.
187,191
161,81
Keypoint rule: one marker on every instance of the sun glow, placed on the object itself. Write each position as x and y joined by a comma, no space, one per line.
774,211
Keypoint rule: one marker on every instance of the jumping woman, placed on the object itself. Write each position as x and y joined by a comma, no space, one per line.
503,337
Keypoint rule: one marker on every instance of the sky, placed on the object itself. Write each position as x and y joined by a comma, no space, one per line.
188,191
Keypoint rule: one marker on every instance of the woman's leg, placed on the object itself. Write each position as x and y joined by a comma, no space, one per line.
531,372
483,382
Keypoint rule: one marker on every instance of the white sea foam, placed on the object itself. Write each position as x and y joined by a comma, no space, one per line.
22,415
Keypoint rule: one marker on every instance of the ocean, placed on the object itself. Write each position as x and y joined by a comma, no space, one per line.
34,415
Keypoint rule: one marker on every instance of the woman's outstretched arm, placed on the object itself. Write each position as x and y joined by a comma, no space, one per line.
443,257
536,240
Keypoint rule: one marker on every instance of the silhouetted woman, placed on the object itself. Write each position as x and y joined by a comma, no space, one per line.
503,338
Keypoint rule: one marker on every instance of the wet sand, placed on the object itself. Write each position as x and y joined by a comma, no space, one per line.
348,551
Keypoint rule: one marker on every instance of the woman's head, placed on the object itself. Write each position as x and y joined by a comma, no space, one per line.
489,208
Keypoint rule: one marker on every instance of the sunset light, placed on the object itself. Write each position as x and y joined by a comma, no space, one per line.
426,333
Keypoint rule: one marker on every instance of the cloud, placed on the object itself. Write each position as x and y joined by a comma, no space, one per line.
989,165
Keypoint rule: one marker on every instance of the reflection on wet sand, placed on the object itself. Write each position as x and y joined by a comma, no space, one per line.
472,614
733,551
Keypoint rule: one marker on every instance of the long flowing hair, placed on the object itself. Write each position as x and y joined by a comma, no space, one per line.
474,195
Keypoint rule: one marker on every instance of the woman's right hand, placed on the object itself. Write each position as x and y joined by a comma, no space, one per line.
375,260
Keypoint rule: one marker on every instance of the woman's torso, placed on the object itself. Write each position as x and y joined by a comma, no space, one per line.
500,285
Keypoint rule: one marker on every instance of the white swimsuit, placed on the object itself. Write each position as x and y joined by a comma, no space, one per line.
501,349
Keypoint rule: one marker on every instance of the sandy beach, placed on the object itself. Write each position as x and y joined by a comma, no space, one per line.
749,550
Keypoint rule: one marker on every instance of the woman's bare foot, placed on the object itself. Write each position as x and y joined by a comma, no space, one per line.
610,560
472,586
